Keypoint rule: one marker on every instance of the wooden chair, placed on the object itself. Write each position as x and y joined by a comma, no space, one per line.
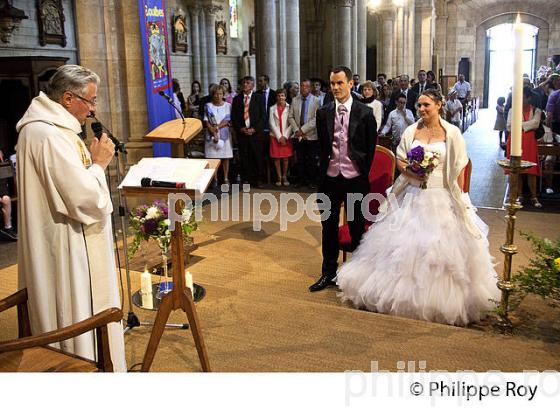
381,176
32,353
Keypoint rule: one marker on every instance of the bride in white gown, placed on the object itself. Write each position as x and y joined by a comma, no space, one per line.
428,258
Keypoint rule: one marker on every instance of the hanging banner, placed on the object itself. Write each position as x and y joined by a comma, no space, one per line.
157,72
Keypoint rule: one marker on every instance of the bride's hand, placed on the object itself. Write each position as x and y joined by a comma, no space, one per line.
412,175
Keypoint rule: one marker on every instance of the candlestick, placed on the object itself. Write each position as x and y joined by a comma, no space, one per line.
146,290
189,282
517,92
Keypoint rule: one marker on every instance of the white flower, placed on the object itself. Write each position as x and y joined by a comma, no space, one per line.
166,222
187,215
152,212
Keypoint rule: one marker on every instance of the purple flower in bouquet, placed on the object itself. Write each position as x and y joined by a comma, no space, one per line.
422,162
416,154
150,226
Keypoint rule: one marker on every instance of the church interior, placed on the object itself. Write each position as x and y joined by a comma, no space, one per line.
254,311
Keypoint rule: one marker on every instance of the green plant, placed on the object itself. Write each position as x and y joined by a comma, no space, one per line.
542,275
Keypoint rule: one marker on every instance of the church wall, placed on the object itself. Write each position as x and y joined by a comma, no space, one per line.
226,65
25,39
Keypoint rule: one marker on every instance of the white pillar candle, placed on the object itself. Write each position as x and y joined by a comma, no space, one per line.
189,282
146,290
517,93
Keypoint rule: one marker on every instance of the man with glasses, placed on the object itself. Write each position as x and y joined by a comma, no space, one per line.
65,247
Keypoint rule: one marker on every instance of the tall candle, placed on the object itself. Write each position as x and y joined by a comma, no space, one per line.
517,94
189,282
146,290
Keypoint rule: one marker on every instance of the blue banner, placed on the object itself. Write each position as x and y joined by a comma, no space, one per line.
157,70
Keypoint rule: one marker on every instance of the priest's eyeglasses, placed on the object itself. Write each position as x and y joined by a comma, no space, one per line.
92,103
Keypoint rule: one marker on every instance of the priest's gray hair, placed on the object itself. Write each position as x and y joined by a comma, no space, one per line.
70,77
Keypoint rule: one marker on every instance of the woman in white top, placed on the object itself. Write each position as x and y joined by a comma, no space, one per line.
217,116
280,142
369,92
428,257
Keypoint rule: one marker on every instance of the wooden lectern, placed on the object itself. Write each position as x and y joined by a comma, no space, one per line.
177,132
179,297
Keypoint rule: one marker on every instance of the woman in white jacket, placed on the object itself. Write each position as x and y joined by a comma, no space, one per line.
280,131
369,92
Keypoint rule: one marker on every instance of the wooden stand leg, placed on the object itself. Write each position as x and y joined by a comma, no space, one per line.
159,325
190,309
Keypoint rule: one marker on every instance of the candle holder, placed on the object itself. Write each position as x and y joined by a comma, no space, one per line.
514,166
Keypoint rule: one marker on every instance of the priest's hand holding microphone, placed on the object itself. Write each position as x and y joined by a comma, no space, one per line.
102,150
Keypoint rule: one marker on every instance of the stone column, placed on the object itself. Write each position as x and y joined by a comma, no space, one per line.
292,40
282,72
387,44
361,7
195,42
267,45
424,33
210,14
344,32
399,66
203,51
354,65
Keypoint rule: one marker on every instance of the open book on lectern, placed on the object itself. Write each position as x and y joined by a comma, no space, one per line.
192,172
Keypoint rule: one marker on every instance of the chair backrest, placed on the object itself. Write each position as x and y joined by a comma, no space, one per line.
467,177
381,175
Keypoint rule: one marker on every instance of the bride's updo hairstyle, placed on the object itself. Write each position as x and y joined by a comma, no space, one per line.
434,95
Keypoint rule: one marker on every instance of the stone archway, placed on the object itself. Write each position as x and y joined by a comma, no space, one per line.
480,47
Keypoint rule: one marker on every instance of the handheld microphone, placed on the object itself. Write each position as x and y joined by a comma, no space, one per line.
148,182
170,101
97,129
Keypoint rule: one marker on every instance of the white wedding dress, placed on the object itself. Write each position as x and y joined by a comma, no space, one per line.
420,261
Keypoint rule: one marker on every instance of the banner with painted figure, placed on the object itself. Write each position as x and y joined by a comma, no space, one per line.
157,73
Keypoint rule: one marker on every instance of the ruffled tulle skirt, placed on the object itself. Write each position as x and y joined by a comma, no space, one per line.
421,262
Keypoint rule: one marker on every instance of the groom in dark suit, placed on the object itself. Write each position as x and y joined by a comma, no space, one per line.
347,134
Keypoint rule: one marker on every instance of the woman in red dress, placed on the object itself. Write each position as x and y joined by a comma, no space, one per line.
280,131
529,147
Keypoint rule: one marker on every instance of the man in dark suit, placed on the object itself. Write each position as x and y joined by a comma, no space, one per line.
247,116
422,85
411,96
269,97
347,135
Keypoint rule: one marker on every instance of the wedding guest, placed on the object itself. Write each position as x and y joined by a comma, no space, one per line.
318,91
7,231
194,99
280,142
217,117
224,82
178,98
428,257
431,80
369,93
500,123
398,121
529,147
454,109
247,118
306,145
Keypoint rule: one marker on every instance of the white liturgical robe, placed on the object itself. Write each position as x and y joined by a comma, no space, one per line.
65,249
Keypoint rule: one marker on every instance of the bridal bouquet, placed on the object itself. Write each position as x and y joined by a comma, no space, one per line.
152,222
422,162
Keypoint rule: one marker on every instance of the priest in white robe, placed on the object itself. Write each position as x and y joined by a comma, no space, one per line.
65,251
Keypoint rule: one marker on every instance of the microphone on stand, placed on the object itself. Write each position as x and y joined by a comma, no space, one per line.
170,101
148,182
97,127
